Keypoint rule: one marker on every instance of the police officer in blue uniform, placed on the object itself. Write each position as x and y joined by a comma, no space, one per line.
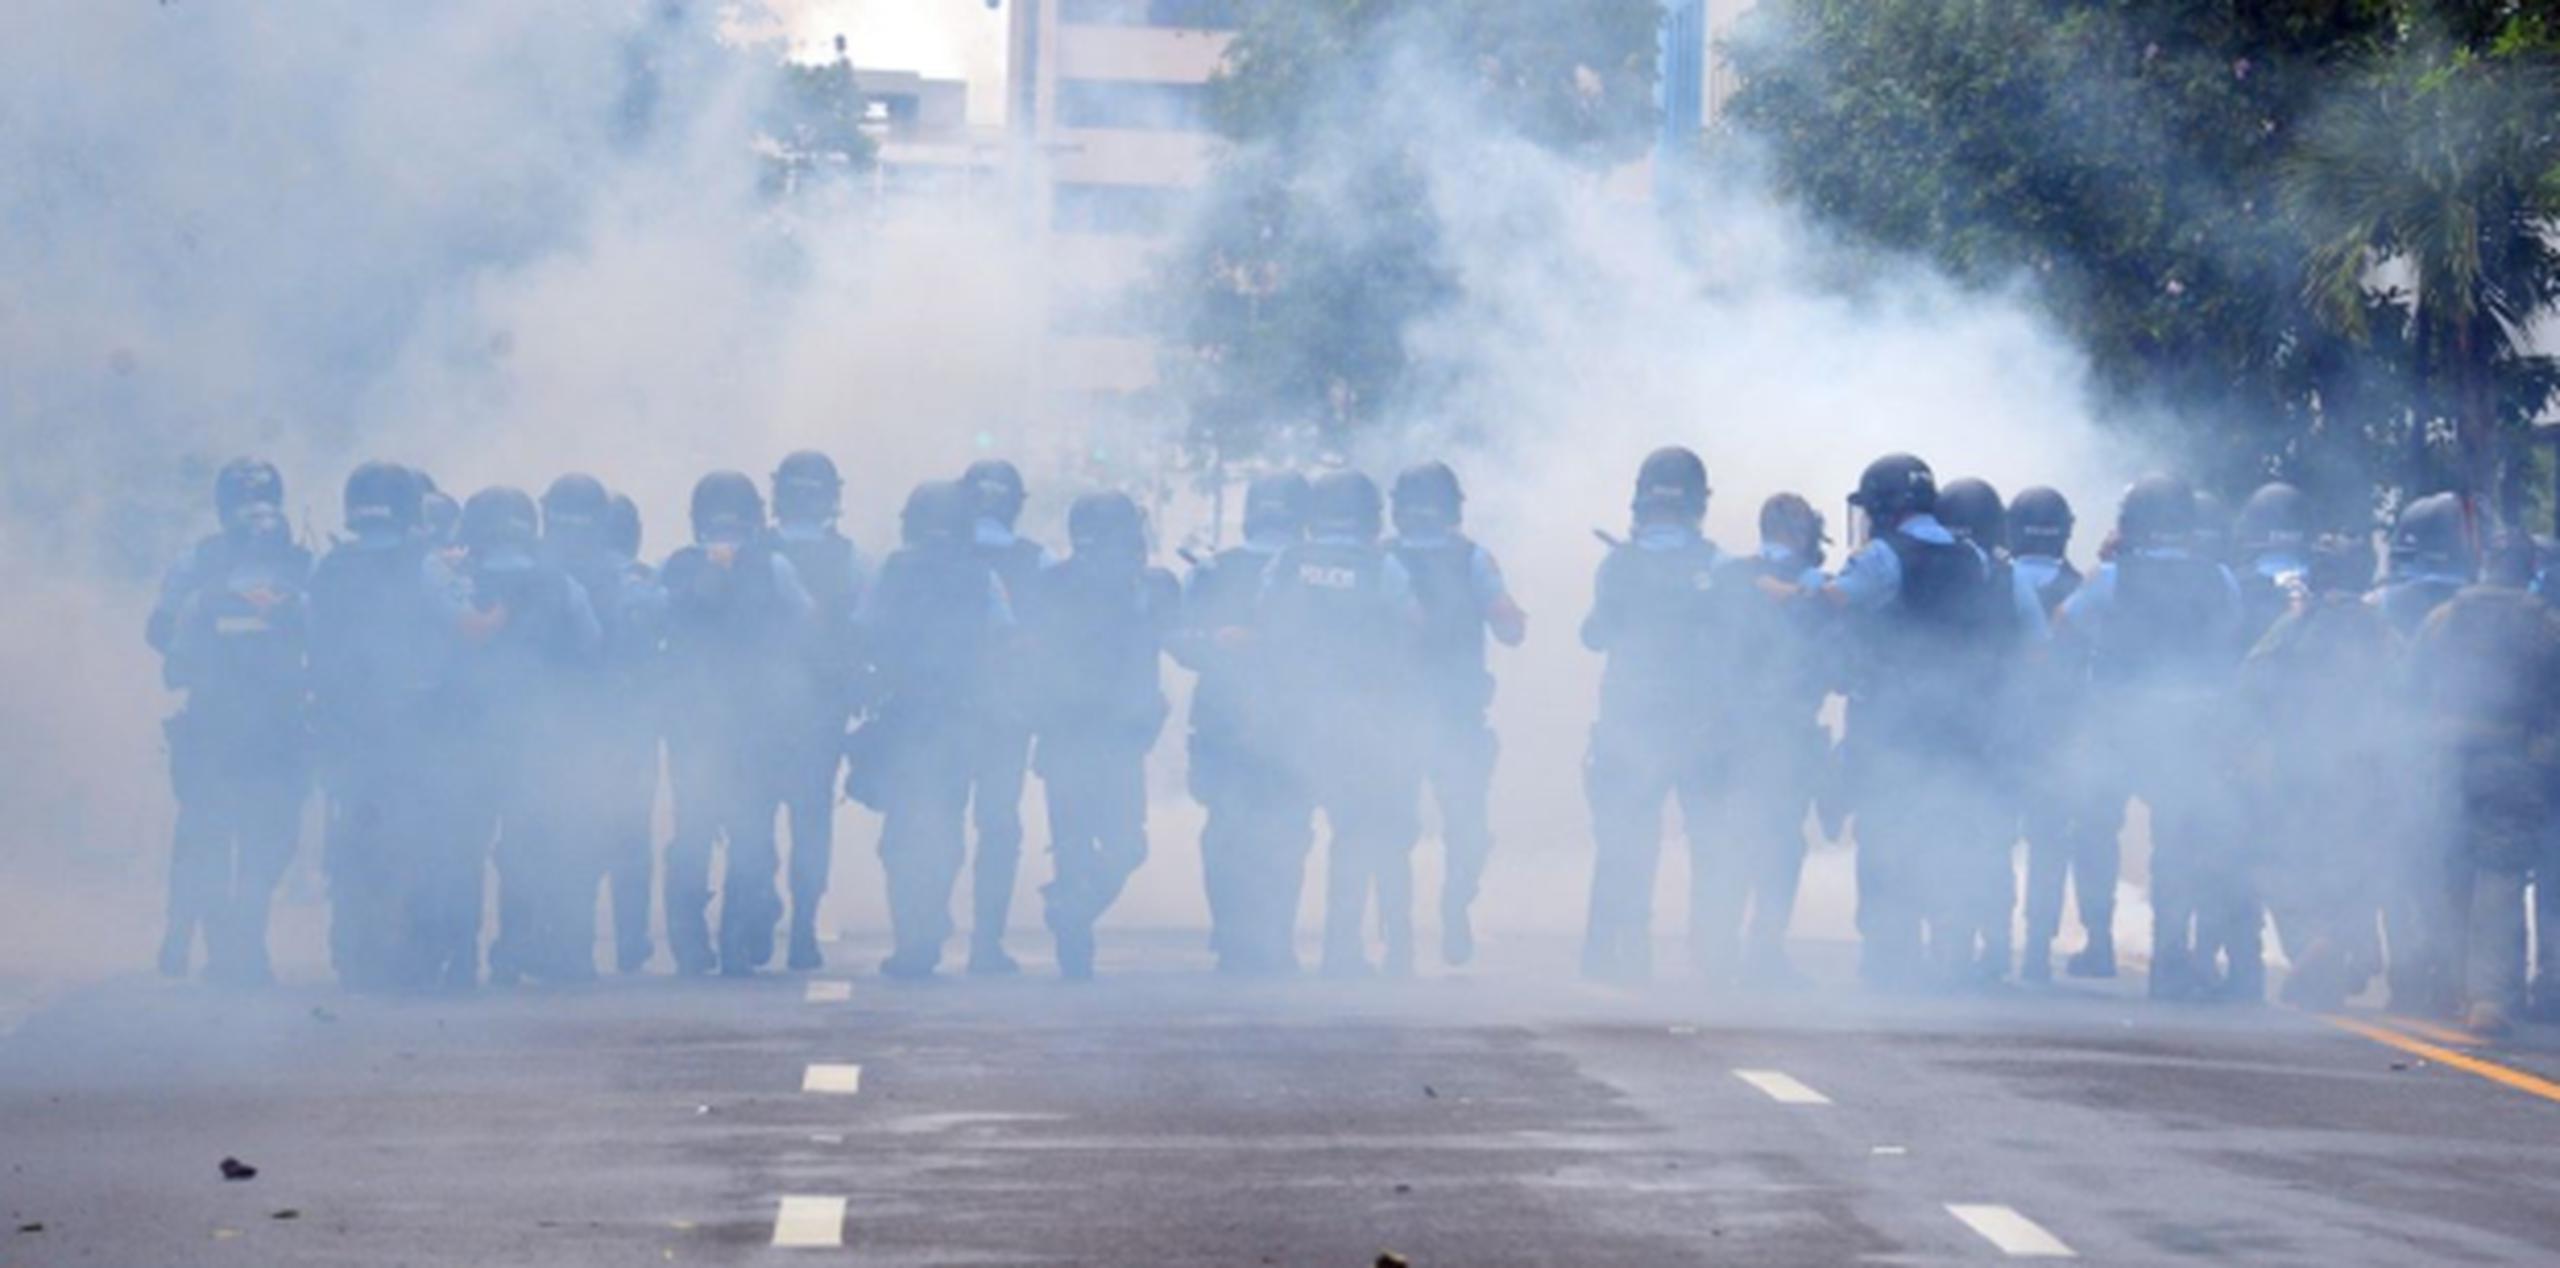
530,639
1003,744
930,626
1654,615
611,758
1339,620
1096,624
2161,619
1464,599
386,619
231,626
808,499
1771,749
2049,761
1253,846
736,615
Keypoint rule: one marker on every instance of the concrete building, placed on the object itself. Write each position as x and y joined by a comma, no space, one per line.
1108,103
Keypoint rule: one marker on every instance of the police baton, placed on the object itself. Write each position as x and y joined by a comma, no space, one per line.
1607,538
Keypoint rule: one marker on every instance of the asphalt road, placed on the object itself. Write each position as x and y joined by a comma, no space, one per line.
1162,1115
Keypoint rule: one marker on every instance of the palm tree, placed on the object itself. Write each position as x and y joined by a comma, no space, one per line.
2442,169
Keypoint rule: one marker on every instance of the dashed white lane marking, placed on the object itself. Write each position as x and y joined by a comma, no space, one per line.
844,1080
805,1223
828,991
1888,1151
2015,1235
1785,1089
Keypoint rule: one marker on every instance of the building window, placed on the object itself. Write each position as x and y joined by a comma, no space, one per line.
1133,104
1140,211
1196,15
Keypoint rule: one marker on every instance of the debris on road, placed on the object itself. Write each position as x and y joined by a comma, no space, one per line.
319,1013
32,1226
1390,1259
286,1214
234,1169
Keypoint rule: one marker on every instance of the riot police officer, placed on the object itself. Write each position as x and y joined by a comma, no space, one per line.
1772,751
532,635
2050,757
1096,623
2161,621
808,498
1339,620
1464,598
1978,880
1915,728
611,751
929,626
1004,736
231,626
2326,755
2487,669
1254,844
736,612
1654,612
2434,554
386,617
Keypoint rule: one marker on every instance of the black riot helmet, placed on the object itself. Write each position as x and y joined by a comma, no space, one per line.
2341,563
1276,505
807,490
2158,510
574,509
622,526
2040,523
1428,499
382,503
939,512
1671,485
1788,520
997,486
1894,488
1345,504
439,518
1971,510
2434,536
500,521
2275,518
243,483
1107,525
727,509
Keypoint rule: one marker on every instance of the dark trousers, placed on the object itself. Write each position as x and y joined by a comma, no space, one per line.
379,824
1745,886
1458,753
724,798
1097,794
1627,775
809,802
923,833
234,838
2071,840
999,756
1253,853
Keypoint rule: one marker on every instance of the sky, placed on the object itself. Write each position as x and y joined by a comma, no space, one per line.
939,38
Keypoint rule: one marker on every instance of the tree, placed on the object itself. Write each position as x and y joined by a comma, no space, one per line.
1319,246
2445,165
2122,155
816,123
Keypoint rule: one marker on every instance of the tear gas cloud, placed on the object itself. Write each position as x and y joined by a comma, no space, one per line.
503,240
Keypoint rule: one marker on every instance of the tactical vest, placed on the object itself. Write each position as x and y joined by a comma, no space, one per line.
1774,672
382,642
1101,635
242,651
931,632
1661,652
2168,624
826,567
1225,593
1451,644
1329,620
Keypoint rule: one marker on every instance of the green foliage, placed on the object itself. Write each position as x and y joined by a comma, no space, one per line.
1320,245
816,125
2134,157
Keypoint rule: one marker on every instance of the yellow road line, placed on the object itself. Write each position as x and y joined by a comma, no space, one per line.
2519,1080
2431,1030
